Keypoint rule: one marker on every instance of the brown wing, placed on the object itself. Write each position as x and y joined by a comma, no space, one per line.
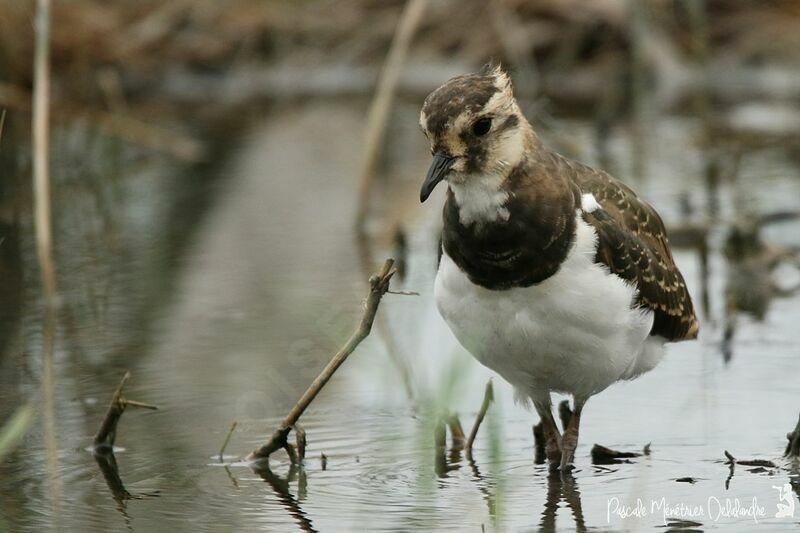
633,244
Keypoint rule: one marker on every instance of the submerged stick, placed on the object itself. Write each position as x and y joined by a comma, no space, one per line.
378,286
227,440
488,398
603,455
108,429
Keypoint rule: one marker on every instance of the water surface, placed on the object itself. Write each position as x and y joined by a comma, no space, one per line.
225,288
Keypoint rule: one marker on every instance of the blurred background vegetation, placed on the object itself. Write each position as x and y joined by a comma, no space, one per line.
153,61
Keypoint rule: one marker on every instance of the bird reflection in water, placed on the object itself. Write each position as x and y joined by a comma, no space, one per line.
561,486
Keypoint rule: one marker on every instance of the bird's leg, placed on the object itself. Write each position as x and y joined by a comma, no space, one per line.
551,434
570,439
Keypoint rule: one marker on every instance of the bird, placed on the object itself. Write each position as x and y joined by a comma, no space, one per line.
553,274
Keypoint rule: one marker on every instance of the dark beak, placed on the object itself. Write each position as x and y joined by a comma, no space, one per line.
439,166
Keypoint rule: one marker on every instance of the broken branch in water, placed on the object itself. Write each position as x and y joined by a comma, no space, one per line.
733,461
601,455
793,448
108,429
227,440
488,398
748,462
378,286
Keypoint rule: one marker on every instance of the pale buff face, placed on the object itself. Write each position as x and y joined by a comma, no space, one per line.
476,120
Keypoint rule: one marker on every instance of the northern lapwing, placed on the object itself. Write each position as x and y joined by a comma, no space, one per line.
553,274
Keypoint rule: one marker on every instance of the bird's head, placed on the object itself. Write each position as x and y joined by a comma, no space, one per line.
475,128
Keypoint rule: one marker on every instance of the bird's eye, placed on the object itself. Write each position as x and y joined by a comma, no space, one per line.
482,126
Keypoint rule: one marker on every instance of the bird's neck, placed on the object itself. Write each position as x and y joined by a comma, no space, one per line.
514,229
482,197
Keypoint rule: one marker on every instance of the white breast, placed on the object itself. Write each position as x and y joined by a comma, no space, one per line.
575,332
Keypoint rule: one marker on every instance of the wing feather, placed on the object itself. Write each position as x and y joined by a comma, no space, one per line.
633,244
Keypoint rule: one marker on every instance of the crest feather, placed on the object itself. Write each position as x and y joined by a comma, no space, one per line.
501,79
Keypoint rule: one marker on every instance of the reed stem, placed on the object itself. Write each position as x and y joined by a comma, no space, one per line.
41,148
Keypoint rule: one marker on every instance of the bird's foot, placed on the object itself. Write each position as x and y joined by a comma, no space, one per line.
552,451
569,443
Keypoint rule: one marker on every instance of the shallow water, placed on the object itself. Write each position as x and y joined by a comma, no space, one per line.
225,307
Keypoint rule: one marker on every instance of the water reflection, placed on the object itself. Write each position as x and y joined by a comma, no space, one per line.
11,287
562,487
107,461
50,430
108,466
281,486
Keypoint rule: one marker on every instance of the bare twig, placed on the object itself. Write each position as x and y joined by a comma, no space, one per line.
41,136
227,439
378,286
108,429
382,101
404,293
488,398
382,325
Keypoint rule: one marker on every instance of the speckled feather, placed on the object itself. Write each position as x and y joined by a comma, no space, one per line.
633,244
